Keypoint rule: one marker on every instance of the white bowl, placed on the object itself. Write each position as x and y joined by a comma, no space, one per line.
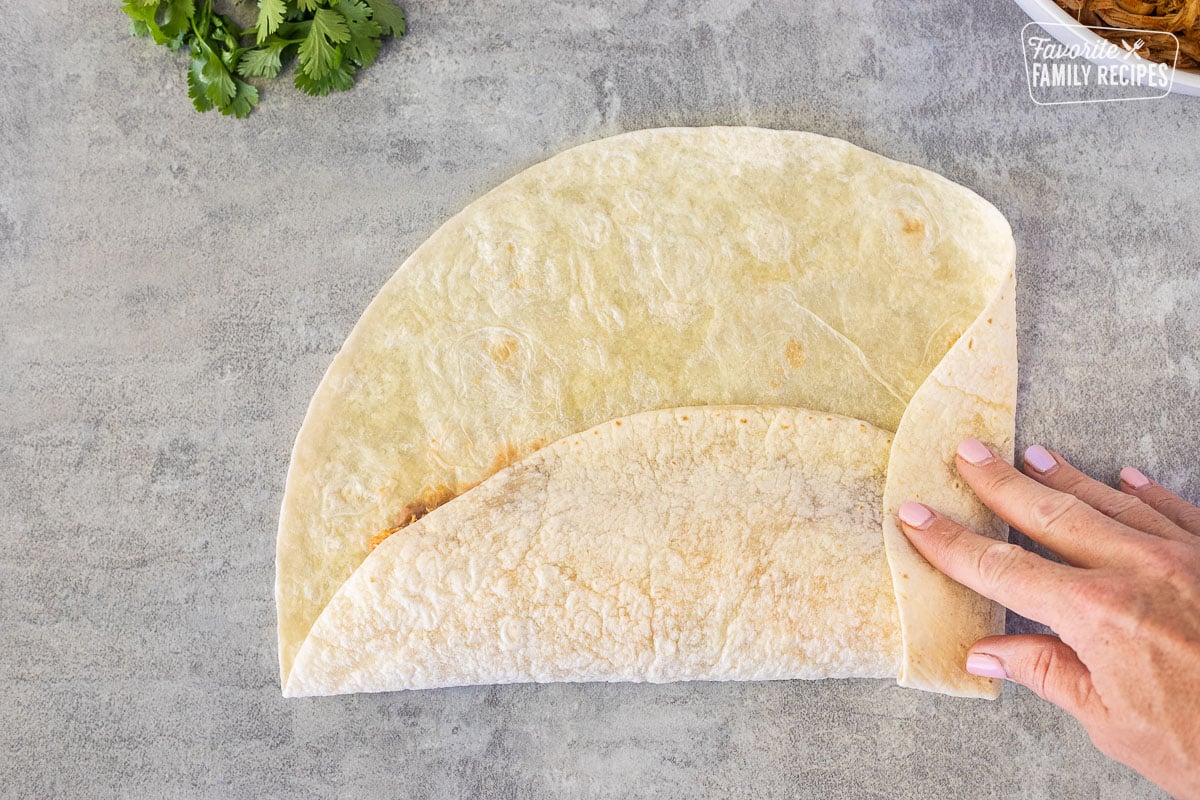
1072,33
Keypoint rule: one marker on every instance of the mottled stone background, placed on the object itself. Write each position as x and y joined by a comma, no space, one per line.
174,285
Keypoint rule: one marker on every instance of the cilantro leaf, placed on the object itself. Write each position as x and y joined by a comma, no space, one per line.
363,46
221,88
262,62
140,12
318,53
243,102
145,19
340,77
270,17
332,25
389,16
197,83
176,20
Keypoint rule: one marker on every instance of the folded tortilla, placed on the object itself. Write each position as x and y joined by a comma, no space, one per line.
780,275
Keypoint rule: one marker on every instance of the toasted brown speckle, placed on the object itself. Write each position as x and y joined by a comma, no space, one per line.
794,352
911,225
502,347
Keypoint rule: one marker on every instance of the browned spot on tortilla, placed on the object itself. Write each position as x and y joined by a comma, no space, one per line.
970,343
742,420
794,351
502,347
911,225
785,426
427,501
684,418
989,320
380,537
904,575
617,423
430,499
509,454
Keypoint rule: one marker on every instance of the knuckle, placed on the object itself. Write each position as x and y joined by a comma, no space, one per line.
1000,480
1074,482
997,561
1049,511
1101,598
1087,698
1163,556
1189,519
1175,563
1119,506
1042,669
1090,594
1157,498
940,549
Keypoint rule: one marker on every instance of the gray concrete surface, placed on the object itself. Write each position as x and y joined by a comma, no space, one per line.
173,286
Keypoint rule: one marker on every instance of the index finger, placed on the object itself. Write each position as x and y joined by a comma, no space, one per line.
1070,527
1030,585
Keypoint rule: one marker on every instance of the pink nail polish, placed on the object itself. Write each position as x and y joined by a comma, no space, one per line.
1134,477
1040,459
974,452
915,515
986,666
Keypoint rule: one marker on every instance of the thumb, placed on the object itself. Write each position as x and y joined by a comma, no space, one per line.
1044,664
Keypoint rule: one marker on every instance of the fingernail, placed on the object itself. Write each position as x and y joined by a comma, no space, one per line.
974,452
1040,459
986,666
1134,477
915,515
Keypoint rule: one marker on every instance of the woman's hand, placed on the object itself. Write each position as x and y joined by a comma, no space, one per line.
1125,604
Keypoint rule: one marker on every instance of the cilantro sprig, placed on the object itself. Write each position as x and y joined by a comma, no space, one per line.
330,40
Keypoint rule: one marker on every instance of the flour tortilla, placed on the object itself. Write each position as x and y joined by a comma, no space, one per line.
659,269
593,560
